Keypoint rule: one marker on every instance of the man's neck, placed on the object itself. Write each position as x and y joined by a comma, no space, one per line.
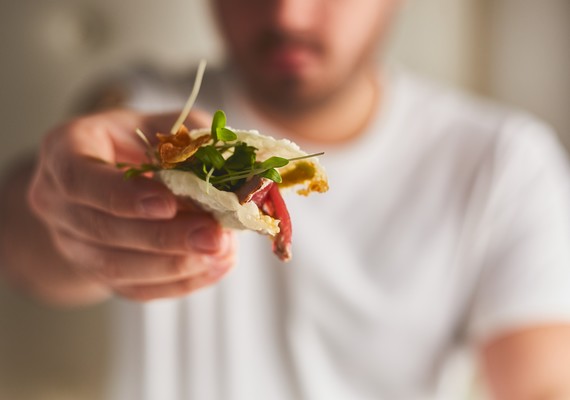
341,118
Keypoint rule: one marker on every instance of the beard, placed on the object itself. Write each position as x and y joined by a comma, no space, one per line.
289,94
286,84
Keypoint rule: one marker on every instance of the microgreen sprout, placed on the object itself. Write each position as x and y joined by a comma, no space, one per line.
228,173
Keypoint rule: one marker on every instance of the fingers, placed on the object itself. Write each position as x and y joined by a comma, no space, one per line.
219,266
102,186
144,276
189,231
130,234
80,158
119,267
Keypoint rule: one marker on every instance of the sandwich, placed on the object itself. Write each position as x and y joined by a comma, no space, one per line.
236,175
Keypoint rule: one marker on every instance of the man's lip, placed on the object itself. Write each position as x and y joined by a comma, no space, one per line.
289,58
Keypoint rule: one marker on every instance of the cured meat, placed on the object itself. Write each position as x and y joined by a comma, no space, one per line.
275,204
254,190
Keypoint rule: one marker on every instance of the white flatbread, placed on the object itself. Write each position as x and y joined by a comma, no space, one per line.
225,205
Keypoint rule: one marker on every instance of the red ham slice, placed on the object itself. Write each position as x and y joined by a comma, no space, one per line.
282,241
267,197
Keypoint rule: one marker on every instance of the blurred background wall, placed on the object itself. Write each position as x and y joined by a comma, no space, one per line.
514,51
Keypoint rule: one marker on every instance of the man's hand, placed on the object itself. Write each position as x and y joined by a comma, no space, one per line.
128,235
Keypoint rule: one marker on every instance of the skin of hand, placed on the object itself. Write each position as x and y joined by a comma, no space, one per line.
129,236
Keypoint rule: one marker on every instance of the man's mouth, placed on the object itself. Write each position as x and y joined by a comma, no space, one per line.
289,58
287,54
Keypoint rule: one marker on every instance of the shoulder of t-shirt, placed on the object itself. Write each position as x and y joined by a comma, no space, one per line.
474,119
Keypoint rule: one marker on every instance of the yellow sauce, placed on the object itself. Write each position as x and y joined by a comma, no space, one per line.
302,171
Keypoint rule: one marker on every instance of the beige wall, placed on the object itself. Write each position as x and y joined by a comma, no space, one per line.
435,37
515,50
52,50
529,58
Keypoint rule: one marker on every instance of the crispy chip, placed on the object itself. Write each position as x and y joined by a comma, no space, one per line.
174,149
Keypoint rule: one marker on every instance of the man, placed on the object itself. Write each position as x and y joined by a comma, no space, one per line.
447,223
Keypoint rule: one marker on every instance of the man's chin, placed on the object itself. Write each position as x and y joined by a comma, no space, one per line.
287,95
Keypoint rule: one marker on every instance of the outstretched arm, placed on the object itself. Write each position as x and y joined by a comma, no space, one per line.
531,364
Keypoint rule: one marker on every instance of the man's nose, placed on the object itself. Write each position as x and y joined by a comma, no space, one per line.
295,15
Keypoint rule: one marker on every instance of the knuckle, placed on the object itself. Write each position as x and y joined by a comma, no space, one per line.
65,176
62,244
97,225
37,195
160,238
35,200
56,147
115,202
108,271
225,264
103,265
60,158
179,266
186,286
82,257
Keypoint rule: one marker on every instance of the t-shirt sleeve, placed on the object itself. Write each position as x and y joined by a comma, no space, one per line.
525,275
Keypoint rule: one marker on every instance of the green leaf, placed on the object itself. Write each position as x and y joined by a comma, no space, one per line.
218,122
131,173
134,171
226,135
272,174
209,164
209,155
273,162
242,159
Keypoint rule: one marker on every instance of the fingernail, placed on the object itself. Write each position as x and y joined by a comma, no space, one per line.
155,207
204,240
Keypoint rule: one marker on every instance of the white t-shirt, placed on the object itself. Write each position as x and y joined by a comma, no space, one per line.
447,223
